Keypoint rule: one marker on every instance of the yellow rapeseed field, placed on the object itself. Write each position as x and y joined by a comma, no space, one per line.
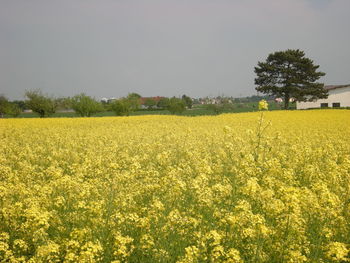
231,188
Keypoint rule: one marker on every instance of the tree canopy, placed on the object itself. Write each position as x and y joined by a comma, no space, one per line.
176,106
163,103
85,105
188,101
150,103
7,107
4,105
39,103
134,100
121,107
289,74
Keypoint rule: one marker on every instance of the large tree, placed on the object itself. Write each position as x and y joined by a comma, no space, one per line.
85,106
40,103
289,74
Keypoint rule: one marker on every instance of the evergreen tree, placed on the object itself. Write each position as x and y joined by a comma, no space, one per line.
289,74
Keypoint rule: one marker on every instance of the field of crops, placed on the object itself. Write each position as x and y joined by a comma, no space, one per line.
229,188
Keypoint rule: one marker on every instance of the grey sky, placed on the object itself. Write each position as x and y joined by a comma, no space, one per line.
108,48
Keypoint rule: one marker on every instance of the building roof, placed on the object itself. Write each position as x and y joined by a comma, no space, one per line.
330,87
156,99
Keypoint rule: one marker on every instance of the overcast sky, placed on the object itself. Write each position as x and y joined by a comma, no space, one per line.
108,48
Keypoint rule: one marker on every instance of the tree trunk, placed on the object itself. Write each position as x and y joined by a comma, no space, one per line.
286,101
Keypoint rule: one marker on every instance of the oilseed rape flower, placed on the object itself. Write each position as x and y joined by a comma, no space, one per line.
176,189
338,252
263,105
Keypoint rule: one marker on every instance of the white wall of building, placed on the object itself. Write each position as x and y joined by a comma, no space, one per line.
338,95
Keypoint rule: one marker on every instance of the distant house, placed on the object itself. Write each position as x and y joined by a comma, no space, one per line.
338,96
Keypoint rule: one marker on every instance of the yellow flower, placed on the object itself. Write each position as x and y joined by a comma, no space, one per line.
173,188
337,251
233,256
263,105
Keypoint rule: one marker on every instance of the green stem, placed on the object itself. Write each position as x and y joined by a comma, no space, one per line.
259,134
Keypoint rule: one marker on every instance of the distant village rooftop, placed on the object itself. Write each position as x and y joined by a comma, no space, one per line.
330,87
338,97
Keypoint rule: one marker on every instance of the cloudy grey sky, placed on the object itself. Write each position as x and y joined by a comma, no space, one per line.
108,48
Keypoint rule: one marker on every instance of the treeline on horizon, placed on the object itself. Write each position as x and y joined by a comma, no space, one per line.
86,106
287,75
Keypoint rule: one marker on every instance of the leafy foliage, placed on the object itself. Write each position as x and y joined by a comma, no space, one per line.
40,103
163,103
222,106
188,101
14,110
176,106
122,107
64,103
20,103
4,105
289,74
134,101
150,103
85,106
7,107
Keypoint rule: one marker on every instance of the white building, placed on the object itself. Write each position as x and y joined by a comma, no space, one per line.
338,96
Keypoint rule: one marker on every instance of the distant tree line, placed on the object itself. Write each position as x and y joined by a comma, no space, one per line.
85,106
287,75
7,107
